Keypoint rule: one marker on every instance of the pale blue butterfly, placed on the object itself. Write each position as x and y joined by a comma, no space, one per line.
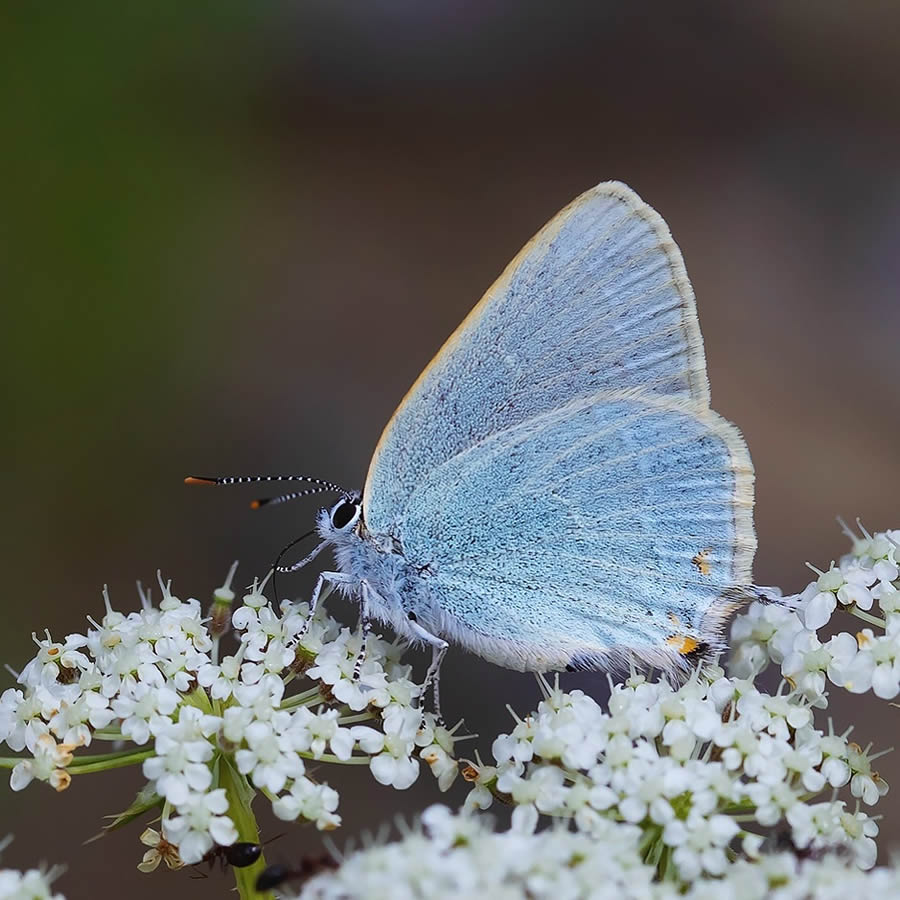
554,491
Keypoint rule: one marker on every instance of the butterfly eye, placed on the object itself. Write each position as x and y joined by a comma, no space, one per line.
344,515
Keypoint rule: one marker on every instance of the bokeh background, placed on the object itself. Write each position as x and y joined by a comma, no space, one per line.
233,234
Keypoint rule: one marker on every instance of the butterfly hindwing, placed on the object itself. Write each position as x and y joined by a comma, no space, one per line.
618,523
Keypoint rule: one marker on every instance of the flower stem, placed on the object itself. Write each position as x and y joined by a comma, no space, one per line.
359,717
240,798
872,620
307,698
101,762
331,758
97,762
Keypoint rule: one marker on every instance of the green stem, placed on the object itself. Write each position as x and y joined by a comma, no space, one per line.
96,762
108,761
331,758
737,809
240,799
359,717
307,698
116,754
872,620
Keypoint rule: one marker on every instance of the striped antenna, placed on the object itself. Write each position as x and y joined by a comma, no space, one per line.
321,486
283,498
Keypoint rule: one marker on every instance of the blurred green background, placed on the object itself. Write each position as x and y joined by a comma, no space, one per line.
233,234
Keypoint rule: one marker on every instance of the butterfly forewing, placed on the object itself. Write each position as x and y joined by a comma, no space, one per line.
598,300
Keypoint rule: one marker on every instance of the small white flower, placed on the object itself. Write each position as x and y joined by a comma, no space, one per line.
856,594
271,758
861,831
817,611
262,697
201,822
394,767
140,706
368,739
442,765
314,802
55,663
437,744
222,678
313,732
180,767
885,650
16,715
336,661
49,764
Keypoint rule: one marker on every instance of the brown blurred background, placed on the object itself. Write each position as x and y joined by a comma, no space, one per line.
233,234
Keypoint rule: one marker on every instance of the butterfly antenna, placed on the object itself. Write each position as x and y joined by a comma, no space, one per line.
277,564
321,486
283,498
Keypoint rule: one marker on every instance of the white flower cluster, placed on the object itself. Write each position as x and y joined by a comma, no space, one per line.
696,767
784,876
153,678
865,582
460,856
34,884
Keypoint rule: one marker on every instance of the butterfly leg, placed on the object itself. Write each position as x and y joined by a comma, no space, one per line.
365,624
325,584
769,595
433,675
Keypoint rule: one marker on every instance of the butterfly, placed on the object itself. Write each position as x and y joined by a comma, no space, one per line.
554,491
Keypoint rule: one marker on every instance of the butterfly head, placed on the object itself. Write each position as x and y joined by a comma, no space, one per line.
342,518
334,524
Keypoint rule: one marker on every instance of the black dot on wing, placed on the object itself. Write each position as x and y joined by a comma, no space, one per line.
700,652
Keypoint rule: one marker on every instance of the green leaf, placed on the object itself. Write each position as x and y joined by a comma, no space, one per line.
146,799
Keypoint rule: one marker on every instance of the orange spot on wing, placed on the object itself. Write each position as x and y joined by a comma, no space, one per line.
683,644
701,561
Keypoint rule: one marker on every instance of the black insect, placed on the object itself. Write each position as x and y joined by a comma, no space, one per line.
278,874
238,855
